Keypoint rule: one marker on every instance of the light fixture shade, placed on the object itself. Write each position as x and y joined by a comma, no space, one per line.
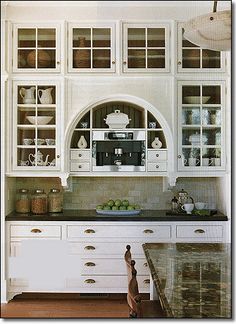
211,31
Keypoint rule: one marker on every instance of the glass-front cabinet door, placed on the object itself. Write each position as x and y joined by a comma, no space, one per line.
201,126
36,49
36,132
145,47
192,58
91,48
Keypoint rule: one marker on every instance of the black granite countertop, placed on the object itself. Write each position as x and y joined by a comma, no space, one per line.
193,280
91,215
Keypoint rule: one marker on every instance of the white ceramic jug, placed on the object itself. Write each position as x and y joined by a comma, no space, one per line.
28,95
45,96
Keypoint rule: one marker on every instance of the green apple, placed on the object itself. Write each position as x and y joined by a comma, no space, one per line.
125,203
130,207
137,206
99,207
106,208
115,208
111,203
122,208
118,202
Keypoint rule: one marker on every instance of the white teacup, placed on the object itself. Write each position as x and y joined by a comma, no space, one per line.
207,161
200,205
193,161
216,161
27,141
50,141
188,208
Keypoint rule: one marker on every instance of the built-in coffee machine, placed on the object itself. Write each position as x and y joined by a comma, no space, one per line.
118,150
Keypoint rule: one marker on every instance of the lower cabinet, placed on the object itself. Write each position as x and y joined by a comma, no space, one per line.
88,257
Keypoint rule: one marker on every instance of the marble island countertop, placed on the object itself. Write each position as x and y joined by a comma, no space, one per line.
91,215
191,280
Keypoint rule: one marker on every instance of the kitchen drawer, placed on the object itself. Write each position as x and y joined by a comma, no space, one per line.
156,155
80,154
35,230
157,167
80,166
111,266
113,282
199,231
138,231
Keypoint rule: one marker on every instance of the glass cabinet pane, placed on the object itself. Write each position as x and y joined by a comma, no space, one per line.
91,48
214,94
36,48
146,48
191,116
191,157
211,136
211,115
211,157
36,125
191,136
194,57
191,95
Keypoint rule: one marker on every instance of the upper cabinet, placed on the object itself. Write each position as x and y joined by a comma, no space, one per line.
36,125
36,48
146,47
192,58
201,126
91,48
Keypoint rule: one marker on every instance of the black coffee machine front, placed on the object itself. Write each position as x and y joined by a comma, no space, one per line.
118,151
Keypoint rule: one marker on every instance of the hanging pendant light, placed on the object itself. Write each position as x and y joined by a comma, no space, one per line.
211,31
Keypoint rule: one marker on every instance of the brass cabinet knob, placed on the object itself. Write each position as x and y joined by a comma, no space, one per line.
145,264
148,231
36,230
89,281
89,247
146,281
199,231
90,264
89,230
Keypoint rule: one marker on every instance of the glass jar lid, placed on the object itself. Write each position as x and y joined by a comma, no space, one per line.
23,190
39,191
54,190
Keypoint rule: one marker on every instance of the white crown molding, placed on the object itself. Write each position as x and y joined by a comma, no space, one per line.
221,4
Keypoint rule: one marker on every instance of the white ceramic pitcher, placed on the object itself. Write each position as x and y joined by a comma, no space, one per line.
39,158
28,95
45,96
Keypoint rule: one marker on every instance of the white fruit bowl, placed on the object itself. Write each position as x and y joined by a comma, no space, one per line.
196,99
40,120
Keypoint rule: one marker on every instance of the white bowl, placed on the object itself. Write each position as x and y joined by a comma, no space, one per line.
41,120
196,99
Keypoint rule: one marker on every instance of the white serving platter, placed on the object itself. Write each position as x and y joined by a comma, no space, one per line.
118,212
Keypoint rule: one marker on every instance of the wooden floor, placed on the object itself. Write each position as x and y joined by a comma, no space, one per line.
65,306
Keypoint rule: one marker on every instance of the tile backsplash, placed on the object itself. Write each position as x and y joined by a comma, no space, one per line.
87,192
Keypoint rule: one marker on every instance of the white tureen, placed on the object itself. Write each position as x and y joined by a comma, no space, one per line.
117,120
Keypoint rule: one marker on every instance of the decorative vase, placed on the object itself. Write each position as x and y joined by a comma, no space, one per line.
82,56
156,144
82,143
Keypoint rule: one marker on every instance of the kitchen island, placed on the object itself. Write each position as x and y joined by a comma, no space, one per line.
191,280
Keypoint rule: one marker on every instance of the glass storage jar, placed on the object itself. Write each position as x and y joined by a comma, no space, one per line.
23,201
39,202
55,201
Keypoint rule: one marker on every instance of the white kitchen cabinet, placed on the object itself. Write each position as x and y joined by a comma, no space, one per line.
91,47
36,47
36,125
146,47
201,131
192,58
97,250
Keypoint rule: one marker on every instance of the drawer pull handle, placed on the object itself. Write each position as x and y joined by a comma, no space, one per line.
89,247
89,231
145,264
157,166
89,281
80,166
80,154
146,281
199,231
36,230
90,264
157,155
148,231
